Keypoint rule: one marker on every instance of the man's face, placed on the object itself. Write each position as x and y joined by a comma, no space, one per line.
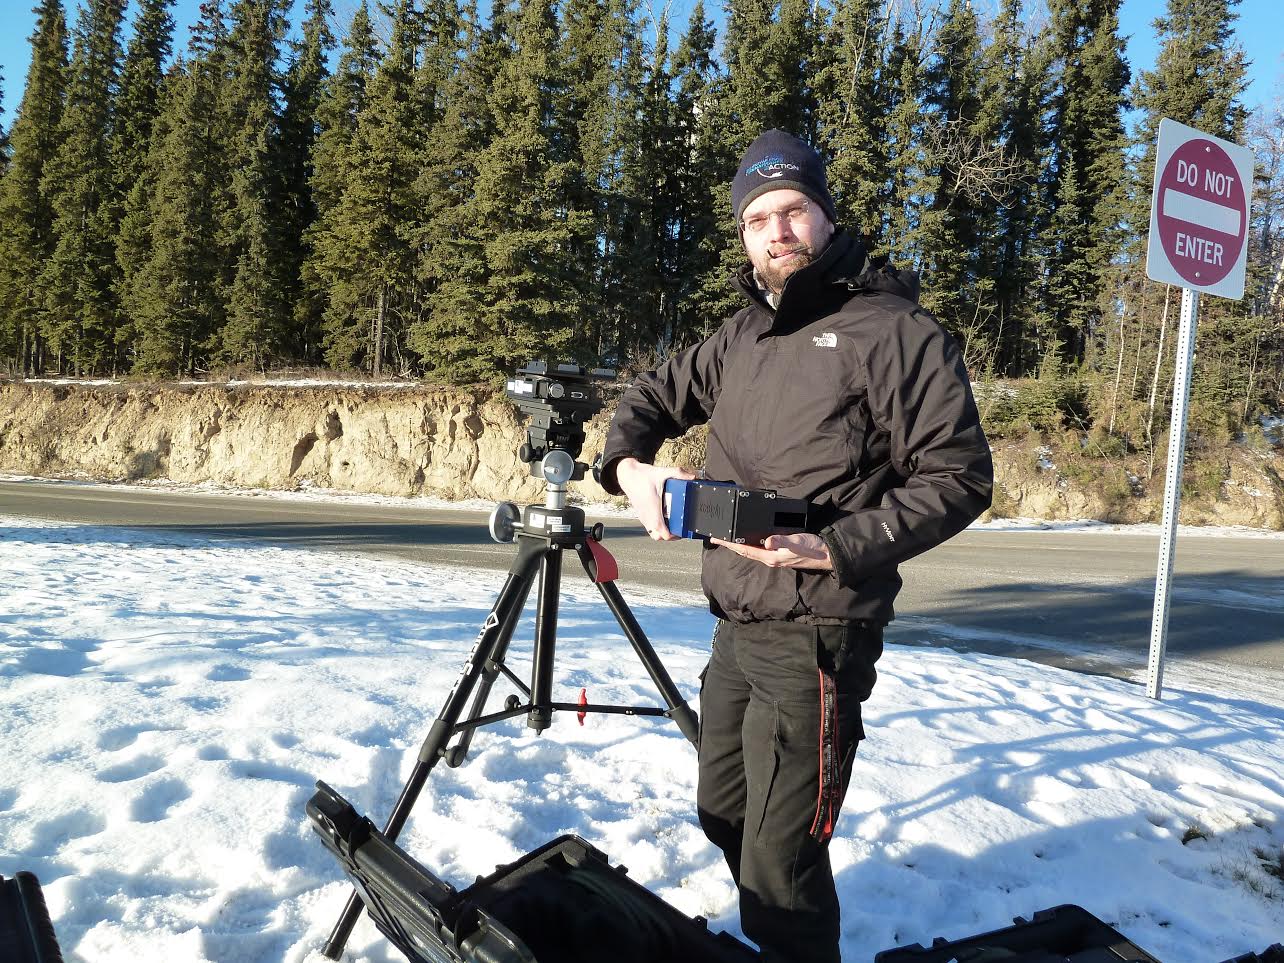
794,233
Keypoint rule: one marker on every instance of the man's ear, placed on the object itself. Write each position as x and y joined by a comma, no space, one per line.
831,228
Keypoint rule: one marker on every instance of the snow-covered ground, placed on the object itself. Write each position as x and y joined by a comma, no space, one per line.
168,703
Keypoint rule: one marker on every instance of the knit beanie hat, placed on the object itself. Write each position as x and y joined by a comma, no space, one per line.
780,160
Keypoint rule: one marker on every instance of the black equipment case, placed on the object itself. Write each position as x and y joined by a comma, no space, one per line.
1272,954
26,932
1063,934
561,903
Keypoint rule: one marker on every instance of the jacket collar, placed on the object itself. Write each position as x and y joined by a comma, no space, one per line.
813,288
843,269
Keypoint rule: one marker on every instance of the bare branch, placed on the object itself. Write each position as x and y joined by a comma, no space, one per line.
976,170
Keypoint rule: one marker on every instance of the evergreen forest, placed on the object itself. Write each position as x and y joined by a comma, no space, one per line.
426,189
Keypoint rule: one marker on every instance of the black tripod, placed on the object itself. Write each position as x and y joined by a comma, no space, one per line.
542,533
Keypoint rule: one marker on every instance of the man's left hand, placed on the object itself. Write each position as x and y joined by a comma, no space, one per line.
786,551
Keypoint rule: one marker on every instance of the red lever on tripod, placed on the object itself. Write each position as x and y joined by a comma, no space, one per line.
604,562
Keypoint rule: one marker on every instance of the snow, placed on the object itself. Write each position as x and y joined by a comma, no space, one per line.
1273,427
169,702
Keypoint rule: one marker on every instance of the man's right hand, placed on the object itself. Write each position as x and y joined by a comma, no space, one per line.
644,486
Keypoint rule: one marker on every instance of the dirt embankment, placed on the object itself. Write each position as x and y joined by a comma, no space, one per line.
458,444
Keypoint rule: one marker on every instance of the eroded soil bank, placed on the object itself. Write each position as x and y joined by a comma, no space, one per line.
460,443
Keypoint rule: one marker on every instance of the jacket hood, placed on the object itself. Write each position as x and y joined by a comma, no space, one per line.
879,275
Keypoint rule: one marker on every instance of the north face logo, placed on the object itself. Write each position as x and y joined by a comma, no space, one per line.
826,340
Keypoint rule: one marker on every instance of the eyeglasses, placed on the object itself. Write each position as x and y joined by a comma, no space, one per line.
794,214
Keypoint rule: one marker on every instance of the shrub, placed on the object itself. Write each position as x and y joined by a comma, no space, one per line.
1047,404
1204,477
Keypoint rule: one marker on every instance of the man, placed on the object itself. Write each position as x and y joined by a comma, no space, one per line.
833,386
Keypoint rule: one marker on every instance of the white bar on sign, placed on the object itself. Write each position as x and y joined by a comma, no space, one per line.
1196,210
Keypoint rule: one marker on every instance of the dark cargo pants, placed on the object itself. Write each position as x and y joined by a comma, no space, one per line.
779,724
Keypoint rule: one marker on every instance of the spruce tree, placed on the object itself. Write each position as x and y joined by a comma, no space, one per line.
255,330
956,155
505,294
851,113
1070,290
910,182
446,34
4,136
768,52
302,91
528,300
343,98
580,92
698,212
1088,146
363,251
344,95
598,104
137,107
26,216
1199,78
1014,100
656,169
176,300
634,219
676,201
452,266
80,311
768,48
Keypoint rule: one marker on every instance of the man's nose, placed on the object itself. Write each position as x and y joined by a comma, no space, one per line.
779,228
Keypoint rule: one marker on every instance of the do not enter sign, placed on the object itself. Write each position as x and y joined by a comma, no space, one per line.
1201,205
1198,229
1199,211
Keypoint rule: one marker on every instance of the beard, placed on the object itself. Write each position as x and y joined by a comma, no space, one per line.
774,268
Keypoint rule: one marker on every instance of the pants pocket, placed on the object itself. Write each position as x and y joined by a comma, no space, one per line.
763,760
700,719
850,652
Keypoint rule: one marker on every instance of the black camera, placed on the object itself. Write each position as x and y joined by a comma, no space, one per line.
560,400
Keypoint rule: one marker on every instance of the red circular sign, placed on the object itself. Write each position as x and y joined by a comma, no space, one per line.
1202,212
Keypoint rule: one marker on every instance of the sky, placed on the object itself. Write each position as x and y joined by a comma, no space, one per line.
170,701
1260,29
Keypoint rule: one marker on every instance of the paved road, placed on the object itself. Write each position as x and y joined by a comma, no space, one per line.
1075,599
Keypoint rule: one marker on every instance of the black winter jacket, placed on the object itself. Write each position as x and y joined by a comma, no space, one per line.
847,394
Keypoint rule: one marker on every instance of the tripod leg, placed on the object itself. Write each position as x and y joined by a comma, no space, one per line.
513,595
455,755
679,711
550,583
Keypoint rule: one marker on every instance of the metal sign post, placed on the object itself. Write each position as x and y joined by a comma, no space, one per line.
1198,240
1172,488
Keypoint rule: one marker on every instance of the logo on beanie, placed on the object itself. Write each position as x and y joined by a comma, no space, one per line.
773,166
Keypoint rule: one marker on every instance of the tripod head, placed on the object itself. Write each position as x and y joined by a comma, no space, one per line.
559,400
